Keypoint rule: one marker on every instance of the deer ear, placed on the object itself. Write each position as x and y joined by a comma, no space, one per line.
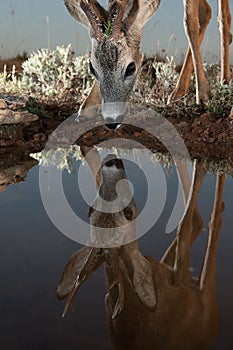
146,9
130,13
73,6
78,269
71,271
79,9
128,213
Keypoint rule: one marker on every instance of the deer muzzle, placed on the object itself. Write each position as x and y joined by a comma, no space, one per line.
113,113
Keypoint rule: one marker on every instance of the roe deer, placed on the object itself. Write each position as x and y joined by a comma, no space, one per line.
115,53
152,304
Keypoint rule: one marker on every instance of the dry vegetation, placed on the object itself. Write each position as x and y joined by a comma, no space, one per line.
55,83
67,79
14,61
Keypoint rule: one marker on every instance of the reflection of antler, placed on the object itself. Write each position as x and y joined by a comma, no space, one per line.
153,304
84,262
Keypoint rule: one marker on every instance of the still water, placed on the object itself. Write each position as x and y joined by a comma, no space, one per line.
34,253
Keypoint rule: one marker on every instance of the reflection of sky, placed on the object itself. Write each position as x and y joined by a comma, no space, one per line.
34,253
23,27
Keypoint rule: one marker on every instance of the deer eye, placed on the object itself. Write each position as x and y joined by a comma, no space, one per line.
90,211
92,70
130,70
128,213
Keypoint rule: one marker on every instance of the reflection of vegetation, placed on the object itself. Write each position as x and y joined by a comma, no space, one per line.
67,78
61,158
64,158
216,166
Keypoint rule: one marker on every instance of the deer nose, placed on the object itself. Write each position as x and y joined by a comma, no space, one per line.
113,123
113,113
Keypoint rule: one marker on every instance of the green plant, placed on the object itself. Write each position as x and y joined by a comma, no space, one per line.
107,28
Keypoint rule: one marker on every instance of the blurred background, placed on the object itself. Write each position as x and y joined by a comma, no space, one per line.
27,25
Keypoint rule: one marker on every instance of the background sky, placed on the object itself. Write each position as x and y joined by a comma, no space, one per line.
24,27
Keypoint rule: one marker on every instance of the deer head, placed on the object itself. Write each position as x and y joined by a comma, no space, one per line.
121,257
115,56
152,304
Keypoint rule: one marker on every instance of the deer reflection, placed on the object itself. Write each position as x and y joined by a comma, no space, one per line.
153,304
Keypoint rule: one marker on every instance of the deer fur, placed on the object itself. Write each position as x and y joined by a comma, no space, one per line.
116,59
153,304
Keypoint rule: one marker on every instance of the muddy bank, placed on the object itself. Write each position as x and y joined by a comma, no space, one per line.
206,135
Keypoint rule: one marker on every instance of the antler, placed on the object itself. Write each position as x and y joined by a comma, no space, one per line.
116,14
96,15
93,16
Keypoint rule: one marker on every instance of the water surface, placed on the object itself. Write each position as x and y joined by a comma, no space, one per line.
34,253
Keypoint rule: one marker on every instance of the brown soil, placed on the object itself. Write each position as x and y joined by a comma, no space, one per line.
207,136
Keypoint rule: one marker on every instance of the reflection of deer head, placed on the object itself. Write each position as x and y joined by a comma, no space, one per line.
152,304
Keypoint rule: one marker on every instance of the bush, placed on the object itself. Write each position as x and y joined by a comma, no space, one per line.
52,72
